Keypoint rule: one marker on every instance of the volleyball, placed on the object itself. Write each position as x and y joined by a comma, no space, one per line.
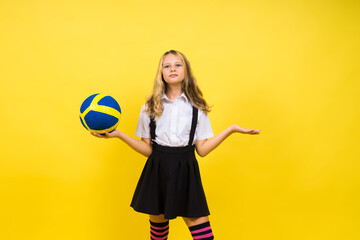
99,113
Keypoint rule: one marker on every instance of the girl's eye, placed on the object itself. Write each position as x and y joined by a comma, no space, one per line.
167,66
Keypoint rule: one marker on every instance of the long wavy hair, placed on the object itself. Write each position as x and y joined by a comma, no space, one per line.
154,107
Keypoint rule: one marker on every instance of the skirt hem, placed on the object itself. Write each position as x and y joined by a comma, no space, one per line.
171,216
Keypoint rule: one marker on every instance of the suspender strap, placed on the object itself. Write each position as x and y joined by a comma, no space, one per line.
152,129
193,125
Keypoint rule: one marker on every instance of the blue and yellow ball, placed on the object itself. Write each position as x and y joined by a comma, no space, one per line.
99,113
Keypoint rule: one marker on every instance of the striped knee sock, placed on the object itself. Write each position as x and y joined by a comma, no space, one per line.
202,231
159,231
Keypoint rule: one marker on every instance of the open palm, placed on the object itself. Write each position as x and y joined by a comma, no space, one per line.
239,129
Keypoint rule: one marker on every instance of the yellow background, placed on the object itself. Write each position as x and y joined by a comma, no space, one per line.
289,68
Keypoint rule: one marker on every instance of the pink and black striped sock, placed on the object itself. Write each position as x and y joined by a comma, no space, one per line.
202,231
159,231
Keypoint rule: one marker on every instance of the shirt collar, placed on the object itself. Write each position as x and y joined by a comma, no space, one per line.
182,96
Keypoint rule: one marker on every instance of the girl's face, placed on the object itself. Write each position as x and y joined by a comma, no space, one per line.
173,70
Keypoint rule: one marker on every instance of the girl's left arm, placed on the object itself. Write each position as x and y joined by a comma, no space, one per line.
204,147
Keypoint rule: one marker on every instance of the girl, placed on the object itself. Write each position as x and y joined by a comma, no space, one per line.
172,123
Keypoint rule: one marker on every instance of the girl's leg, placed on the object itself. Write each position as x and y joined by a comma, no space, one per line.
159,227
199,228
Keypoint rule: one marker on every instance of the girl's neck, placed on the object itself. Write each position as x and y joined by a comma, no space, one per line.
173,92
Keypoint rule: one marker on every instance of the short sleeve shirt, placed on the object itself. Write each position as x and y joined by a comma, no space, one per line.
173,126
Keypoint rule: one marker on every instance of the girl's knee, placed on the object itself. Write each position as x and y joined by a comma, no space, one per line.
195,221
158,218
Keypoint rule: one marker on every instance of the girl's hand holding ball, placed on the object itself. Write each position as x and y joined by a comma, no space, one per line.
105,134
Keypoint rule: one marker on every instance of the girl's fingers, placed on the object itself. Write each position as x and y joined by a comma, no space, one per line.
96,134
250,130
247,130
103,135
257,131
253,131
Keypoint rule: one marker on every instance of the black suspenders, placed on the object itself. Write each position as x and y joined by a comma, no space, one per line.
193,125
192,131
152,129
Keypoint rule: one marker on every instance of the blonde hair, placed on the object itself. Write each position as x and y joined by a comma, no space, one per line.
154,106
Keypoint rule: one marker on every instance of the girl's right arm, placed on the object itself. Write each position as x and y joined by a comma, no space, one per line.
142,146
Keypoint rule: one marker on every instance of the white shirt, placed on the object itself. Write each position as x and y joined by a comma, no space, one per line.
173,127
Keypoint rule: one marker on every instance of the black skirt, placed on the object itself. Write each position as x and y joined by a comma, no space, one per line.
170,184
